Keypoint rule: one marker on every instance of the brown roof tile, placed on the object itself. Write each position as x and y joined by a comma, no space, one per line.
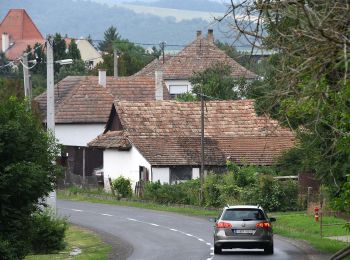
112,140
196,57
168,132
80,99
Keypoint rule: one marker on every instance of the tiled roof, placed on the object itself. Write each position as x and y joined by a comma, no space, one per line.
198,56
168,132
226,118
113,140
21,30
80,99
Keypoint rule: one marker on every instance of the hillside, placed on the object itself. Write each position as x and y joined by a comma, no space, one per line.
78,18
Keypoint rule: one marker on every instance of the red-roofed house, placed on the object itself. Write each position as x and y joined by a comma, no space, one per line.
156,140
18,31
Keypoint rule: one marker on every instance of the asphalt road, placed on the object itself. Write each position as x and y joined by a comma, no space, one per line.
162,235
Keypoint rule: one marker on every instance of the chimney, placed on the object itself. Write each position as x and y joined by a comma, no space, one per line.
199,34
159,84
102,78
210,35
5,42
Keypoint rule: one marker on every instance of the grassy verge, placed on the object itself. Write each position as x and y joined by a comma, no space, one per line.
90,244
304,227
293,225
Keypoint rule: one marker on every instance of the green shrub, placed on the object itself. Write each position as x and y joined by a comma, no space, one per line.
47,233
122,187
164,193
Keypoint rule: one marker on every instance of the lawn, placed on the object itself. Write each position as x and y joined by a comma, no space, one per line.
90,244
304,227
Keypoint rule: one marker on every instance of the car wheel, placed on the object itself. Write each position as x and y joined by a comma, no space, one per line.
217,250
268,249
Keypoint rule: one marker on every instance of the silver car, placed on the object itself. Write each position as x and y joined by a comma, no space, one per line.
243,227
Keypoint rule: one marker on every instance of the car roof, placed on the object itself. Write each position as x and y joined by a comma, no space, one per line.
243,207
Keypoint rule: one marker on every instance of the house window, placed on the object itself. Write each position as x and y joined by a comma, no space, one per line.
175,90
180,174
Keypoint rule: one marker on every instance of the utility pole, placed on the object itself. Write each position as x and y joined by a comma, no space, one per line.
162,47
50,108
26,80
116,56
50,105
202,148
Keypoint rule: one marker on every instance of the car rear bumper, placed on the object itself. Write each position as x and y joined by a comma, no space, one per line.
243,244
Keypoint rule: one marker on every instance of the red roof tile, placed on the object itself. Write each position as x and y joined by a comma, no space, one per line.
21,30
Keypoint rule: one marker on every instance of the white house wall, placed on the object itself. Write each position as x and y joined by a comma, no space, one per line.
77,134
177,83
123,163
161,174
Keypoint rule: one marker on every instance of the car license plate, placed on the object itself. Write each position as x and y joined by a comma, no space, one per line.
244,231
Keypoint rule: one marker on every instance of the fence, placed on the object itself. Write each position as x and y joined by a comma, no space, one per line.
139,188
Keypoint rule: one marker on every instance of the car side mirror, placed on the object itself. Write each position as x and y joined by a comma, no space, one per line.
212,220
272,219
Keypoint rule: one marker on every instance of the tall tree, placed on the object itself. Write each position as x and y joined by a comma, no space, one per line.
26,175
308,88
73,51
110,36
132,57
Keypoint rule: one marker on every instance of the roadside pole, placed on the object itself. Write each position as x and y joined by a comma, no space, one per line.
26,82
202,149
115,62
50,108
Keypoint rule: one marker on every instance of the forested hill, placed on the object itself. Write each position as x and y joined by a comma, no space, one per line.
81,18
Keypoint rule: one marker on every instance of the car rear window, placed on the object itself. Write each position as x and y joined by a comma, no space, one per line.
243,214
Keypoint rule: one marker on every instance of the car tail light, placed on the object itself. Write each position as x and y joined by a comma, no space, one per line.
263,225
223,225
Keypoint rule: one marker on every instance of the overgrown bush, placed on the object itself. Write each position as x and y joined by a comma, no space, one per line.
122,187
47,233
242,185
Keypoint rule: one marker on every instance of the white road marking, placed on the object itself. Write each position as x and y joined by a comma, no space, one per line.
108,215
78,210
175,230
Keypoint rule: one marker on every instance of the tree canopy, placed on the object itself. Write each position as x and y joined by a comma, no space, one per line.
132,57
308,87
27,173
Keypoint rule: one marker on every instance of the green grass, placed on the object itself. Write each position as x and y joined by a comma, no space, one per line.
304,227
91,245
153,206
296,225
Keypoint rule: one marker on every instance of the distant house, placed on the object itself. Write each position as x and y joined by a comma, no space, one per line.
88,52
18,31
199,55
156,140
82,107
